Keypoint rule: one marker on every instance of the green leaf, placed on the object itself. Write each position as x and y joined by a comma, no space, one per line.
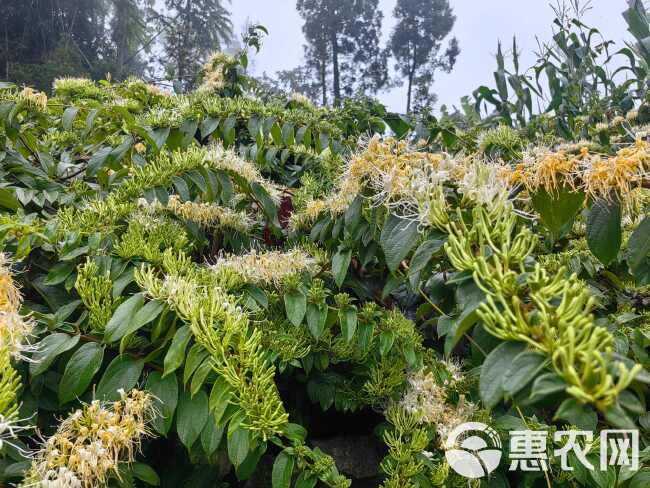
524,368
120,283
122,316
191,417
74,254
617,417
282,471
340,265
160,136
200,376
582,416
8,199
145,473
220,399
59,273
639,244
288,134
421,258
68,117
295,304
48,349
386,341
295,432
322,142
353,214
197,355
246,469
398,237
306,481
121,374
604,234
397,124
238,445
348,320
495,366
267,202
211,436
165,391
80,370
188,128
631,403
546,385
316,318
198,179
142,317
459,327
225,183
640,479
557,211
176,352
602,478
97,160
208,126
276,134
181,188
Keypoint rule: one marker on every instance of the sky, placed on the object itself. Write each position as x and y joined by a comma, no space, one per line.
479,25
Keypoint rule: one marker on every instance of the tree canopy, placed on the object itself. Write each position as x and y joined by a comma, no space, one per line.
416,42
342,39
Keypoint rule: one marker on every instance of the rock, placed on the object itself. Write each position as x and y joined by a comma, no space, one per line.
356,456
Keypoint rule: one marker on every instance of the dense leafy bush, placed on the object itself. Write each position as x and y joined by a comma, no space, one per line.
207,288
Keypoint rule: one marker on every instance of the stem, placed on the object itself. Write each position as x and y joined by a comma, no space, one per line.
523,419
410,83
336,71
436,307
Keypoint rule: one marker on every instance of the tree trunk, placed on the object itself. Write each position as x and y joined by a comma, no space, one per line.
323,81
121,12
410,81
408,95
335,70
184,46
6,51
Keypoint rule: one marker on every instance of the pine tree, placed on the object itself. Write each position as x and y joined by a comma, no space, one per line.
343,37
416,42
128,36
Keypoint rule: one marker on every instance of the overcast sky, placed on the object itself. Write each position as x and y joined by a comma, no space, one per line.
479,24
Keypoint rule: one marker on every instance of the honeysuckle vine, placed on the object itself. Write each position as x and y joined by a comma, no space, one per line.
236,281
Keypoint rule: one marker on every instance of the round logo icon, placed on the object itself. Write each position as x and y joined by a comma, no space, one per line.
473,450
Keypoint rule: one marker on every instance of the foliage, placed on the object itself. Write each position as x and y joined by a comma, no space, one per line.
192,30
415,43
225,281
343,37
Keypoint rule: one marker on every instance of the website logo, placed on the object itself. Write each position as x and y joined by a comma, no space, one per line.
473,450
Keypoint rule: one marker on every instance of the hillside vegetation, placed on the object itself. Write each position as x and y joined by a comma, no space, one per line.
222,289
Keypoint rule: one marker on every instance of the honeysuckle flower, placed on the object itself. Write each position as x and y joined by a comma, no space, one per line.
214,76
412,183
266,268
15,332
300,99
427,399
219,157
59,478
33,98
89,445
9,294
429,455
209,215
